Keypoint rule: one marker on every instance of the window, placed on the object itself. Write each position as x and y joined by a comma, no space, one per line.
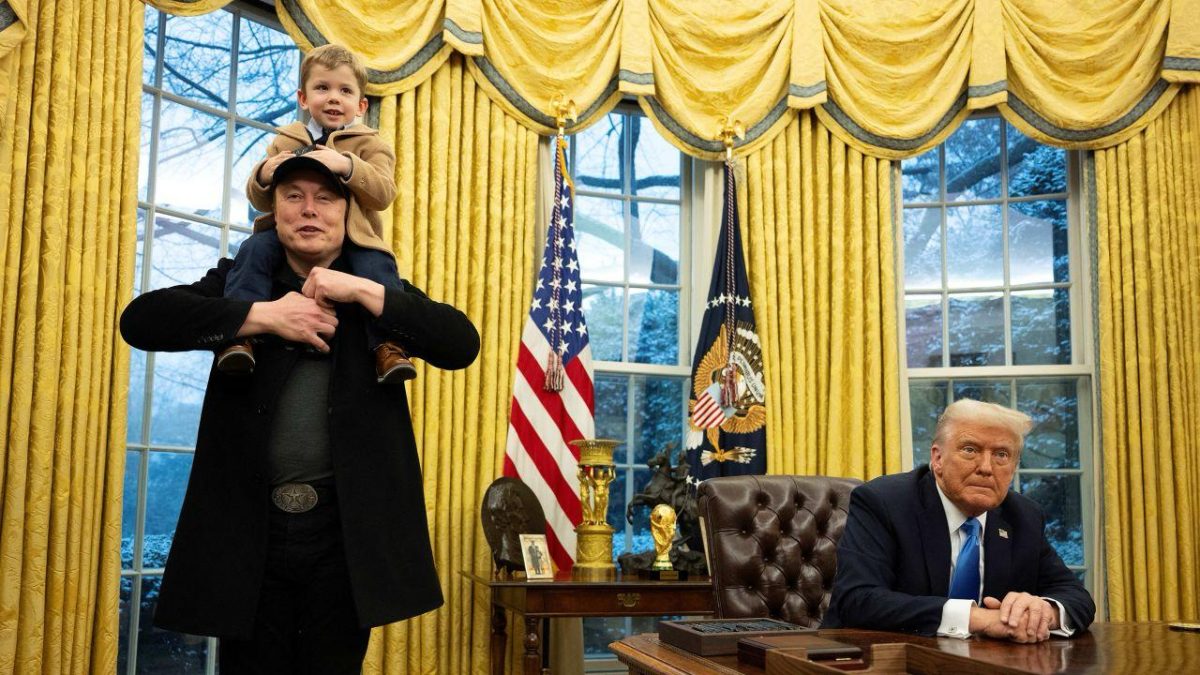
631,210
213,89
994,309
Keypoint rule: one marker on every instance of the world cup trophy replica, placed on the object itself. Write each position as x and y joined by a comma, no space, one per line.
593,552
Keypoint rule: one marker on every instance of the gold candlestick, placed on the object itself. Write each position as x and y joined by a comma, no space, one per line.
593,546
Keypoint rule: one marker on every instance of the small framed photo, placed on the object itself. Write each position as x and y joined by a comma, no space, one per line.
537,557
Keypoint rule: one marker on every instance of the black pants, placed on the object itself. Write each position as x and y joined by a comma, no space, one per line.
306,620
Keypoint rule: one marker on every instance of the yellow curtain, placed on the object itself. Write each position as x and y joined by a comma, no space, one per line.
819,226
68,166
187,7
1147,208
462,229
892,79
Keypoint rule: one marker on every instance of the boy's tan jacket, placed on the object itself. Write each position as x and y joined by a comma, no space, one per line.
372,182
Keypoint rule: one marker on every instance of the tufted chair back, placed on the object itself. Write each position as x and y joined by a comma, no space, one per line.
772,543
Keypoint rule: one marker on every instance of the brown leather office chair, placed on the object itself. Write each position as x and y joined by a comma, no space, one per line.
772,543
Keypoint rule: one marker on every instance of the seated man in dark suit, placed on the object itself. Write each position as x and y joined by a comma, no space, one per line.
946,549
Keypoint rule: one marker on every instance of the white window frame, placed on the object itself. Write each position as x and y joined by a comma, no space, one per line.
1083,355
143,449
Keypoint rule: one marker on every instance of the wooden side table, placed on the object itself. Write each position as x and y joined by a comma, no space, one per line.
566,597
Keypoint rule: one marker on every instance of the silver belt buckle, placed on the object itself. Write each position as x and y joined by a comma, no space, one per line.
294,497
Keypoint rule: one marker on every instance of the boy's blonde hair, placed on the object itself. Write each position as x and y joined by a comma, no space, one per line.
333,56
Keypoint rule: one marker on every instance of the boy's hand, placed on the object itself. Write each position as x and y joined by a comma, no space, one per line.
336,161
327,286
266,172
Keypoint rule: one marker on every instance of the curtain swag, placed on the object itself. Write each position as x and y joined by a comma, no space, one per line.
889,79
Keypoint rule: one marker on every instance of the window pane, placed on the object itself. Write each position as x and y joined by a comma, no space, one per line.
654,254
973,161
974,247
927,399
249,146
611,396
923,330
600,226
133,472
598,633
653,326
137,396
598,156
616,509
976,328
144,159
161,651
235,241
123,619
655,161
197,59
149,44
1054,407
190,173
604,307
138,251
268,74
922,248
1033,168
166,482
179,382
181,251
1041,326
988,391
1037,242
660,414
920,177
1060,500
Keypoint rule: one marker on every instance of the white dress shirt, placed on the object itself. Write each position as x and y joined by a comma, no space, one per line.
956,613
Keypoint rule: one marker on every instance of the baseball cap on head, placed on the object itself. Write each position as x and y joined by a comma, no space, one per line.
302,162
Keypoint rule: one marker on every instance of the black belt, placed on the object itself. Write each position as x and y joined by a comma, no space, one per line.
301,497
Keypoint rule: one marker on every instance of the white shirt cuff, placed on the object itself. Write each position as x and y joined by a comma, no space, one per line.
956,619
1064,629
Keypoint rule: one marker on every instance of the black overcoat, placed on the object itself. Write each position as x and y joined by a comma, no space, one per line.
216,564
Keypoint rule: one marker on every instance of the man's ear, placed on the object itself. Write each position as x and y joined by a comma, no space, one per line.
935,459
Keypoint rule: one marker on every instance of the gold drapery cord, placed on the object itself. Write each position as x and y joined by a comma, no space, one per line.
820,254
462,229
68,164
1147,194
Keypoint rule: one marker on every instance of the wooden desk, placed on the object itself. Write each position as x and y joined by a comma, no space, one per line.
1141,648
565,596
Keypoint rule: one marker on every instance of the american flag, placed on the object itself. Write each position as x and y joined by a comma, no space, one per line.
552,396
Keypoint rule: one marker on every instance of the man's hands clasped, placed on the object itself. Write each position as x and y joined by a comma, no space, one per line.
1020,617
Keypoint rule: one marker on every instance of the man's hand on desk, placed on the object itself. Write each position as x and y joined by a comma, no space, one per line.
1020,617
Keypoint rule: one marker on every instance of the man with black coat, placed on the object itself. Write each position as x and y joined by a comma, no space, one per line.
304,519
948,550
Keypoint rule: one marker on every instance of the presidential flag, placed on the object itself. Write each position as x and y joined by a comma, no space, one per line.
727,417
552,391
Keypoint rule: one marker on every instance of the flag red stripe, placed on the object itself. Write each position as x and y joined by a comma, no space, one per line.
558,552
582,380
535,375
566,496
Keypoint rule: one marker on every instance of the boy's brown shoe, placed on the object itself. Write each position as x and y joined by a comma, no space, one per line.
392,364
237,359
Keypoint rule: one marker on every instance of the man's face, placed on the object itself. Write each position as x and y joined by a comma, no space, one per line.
974,464
332,96
310,218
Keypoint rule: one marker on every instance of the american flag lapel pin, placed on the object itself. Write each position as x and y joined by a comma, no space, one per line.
1003,533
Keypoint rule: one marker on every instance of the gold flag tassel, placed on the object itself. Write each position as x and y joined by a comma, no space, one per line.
564,111
730,129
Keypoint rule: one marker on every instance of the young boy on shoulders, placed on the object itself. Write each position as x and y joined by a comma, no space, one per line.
332,80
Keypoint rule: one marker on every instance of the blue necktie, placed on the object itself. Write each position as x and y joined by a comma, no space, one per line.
965,584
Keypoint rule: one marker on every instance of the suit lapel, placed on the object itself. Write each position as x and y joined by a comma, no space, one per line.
935,538
997,556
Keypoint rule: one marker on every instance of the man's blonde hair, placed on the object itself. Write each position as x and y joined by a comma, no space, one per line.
965,409
333,56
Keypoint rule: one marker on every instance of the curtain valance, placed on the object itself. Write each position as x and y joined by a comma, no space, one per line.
891,79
